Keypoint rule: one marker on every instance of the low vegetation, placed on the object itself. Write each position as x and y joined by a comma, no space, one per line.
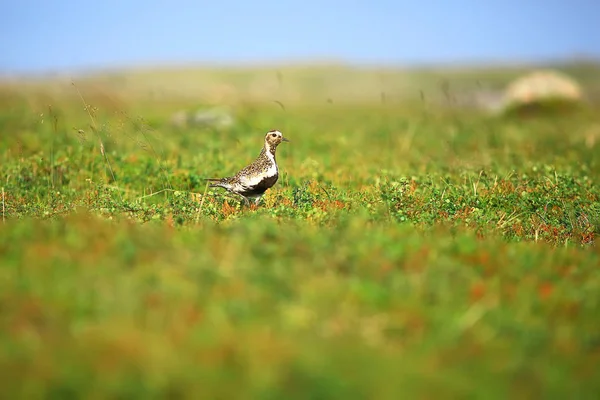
408,249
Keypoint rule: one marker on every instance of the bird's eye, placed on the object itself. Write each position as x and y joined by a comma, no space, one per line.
273,134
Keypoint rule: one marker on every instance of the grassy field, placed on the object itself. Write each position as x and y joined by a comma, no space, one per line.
409,250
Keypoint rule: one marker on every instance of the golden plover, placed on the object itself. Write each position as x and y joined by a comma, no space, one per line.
254,180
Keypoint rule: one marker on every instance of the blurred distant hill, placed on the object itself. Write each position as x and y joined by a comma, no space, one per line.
310,83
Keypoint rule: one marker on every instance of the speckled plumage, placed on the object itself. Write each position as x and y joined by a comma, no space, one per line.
254,180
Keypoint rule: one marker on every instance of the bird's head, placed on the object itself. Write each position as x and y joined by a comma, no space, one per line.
273,138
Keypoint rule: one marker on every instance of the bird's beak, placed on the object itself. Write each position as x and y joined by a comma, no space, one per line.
284,139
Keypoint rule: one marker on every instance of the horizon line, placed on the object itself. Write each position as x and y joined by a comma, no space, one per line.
306,62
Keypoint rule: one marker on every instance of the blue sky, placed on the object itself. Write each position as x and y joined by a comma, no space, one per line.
41,36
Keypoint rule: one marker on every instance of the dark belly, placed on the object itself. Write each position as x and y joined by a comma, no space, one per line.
261,187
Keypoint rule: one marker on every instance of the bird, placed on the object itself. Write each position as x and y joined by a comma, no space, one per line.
254,180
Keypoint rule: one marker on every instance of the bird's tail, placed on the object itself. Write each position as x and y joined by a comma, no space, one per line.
216,180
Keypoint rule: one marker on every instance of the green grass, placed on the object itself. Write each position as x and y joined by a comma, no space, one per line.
406,252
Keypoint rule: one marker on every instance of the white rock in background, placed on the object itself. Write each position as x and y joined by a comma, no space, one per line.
542,85
213,117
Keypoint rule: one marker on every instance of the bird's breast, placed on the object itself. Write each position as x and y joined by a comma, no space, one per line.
272,170
266,182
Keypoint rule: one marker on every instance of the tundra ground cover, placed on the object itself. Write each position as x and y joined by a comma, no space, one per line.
407,250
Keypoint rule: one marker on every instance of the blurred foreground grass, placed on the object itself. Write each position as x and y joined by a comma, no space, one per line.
407,251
